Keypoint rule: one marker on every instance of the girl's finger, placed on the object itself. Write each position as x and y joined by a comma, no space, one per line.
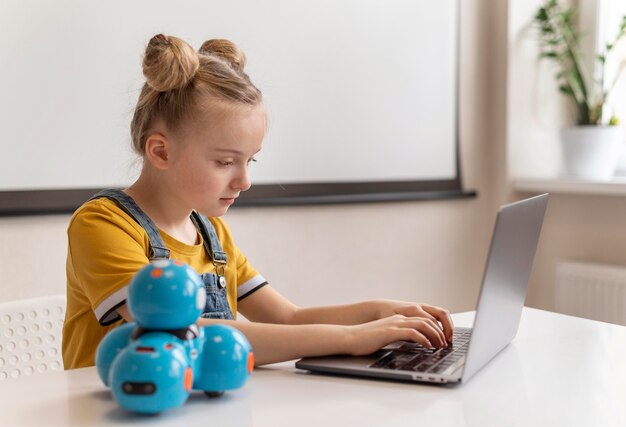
430,330
442,316
413,335
416,311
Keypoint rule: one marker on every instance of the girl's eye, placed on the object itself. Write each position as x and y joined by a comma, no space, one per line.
231,162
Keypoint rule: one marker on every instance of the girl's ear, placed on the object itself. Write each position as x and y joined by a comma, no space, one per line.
157,150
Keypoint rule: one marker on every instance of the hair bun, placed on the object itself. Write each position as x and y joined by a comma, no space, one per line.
169,63
226,50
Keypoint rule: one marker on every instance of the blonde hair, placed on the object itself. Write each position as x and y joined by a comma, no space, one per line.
180,83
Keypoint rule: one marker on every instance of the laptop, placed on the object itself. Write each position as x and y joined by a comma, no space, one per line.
498,312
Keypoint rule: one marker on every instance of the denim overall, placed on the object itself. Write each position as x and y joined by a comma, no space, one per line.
217,306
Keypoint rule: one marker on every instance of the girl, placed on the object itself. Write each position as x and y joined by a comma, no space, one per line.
198,123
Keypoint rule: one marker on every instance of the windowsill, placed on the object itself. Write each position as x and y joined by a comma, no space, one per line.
613,187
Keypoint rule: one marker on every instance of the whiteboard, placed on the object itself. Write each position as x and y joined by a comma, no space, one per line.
357,90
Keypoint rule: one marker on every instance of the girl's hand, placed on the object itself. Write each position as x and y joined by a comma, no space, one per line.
440,316
367,338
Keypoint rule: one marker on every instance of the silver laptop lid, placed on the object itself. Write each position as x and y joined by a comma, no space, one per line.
505,280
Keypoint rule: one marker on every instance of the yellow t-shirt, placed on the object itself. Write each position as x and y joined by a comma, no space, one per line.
106,247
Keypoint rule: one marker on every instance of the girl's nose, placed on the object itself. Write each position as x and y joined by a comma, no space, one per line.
242,180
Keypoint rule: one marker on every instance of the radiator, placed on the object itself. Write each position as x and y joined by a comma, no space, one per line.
593,291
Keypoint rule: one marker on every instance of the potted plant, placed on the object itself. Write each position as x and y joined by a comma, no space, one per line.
591,149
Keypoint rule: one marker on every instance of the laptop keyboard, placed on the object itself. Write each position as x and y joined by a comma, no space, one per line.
413,357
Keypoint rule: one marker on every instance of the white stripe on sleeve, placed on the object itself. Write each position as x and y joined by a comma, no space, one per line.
250,286
106,311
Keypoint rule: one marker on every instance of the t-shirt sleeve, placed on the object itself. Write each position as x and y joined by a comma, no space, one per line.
107,248
249,280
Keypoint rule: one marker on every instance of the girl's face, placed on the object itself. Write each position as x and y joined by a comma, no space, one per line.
209,162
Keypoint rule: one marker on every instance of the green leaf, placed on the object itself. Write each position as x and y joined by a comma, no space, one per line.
541,14
601,58
567,16
549,55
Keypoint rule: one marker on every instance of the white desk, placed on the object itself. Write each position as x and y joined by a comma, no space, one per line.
559,371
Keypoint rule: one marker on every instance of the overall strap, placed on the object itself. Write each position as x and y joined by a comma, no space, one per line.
157,249
211,242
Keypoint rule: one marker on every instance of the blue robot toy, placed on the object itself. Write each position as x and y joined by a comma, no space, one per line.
154,363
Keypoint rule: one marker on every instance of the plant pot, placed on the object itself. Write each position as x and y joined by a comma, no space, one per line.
592,152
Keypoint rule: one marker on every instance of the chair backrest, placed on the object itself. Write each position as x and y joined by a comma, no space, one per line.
30,337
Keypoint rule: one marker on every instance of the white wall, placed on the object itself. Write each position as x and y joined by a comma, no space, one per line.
425,251
32,256
535,109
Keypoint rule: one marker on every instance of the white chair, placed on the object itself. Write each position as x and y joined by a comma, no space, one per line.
30,341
